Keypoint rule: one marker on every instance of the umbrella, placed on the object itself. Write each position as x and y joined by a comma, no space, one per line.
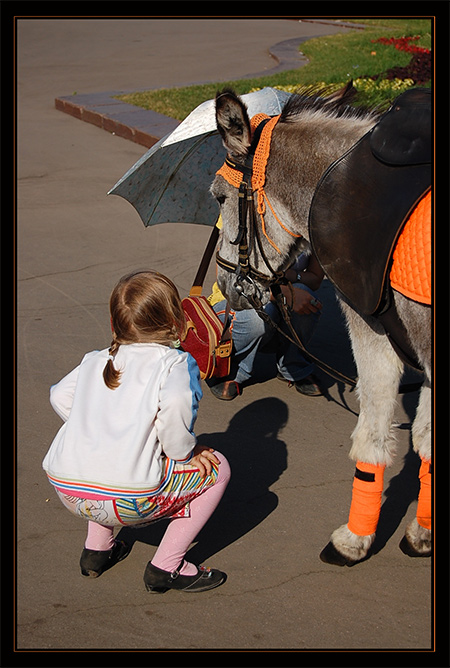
170,183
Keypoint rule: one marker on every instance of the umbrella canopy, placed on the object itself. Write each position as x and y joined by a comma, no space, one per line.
170,183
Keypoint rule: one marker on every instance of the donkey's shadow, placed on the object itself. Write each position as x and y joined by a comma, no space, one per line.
257,459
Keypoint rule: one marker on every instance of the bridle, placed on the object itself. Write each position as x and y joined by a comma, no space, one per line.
248,230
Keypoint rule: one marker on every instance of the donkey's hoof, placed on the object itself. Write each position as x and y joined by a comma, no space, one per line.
330,555
409,549
417,540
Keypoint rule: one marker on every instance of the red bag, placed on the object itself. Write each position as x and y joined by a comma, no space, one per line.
206,337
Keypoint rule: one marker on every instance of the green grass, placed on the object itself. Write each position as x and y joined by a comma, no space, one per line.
332,59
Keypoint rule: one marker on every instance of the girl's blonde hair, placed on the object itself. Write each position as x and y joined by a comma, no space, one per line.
145,307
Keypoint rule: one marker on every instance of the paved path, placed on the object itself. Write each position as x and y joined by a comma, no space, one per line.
73,243
145,127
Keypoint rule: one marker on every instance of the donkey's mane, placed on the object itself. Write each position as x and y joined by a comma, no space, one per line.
327,101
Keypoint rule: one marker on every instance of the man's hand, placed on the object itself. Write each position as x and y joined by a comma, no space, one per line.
300,301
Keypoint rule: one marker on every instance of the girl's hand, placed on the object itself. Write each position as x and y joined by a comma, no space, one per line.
202,459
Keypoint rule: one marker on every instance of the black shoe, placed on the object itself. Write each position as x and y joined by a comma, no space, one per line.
158,581
94,562
308,386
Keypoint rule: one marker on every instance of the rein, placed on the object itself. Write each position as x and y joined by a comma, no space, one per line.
294,337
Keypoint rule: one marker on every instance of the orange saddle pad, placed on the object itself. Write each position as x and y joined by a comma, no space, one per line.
411,268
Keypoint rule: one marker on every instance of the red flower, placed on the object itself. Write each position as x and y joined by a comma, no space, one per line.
402,44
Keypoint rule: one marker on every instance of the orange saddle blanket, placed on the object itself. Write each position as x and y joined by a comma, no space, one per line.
411,267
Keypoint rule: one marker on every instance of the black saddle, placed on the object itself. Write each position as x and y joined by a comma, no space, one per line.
403,134
362,202
364,198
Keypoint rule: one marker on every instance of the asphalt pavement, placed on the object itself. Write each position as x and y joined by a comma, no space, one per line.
291,475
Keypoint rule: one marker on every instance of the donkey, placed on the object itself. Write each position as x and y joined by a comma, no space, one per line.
313,132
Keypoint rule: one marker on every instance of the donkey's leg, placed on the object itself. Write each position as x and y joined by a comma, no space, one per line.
417,318
417,539
373,443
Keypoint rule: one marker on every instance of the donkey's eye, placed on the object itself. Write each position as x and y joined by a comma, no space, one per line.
221,199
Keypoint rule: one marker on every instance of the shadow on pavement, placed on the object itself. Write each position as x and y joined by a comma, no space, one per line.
257,459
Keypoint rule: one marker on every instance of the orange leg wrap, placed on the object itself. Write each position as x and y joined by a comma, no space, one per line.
423,514
366,498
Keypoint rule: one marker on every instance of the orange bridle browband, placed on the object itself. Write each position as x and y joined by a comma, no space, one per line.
233,172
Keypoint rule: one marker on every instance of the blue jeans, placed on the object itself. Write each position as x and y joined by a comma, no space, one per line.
250,334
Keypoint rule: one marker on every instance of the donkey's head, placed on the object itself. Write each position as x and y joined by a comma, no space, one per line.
248,259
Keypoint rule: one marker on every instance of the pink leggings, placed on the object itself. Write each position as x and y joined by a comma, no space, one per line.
181,531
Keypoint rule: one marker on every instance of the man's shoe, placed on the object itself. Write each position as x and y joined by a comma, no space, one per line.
308,386
227,390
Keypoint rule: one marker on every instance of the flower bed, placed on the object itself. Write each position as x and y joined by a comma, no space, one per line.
382,88
419,69
402,43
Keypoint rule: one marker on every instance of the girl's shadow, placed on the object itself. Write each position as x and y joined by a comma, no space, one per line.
257,459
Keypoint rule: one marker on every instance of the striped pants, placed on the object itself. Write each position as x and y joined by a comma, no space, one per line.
186,498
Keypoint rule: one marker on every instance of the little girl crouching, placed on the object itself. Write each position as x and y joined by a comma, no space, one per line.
126,454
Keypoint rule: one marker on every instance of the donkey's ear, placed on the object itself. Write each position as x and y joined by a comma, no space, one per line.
233,123
342,96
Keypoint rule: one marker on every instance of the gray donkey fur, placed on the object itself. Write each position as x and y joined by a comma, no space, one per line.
311,134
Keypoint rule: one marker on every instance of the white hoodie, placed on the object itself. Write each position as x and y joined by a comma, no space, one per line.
122,442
